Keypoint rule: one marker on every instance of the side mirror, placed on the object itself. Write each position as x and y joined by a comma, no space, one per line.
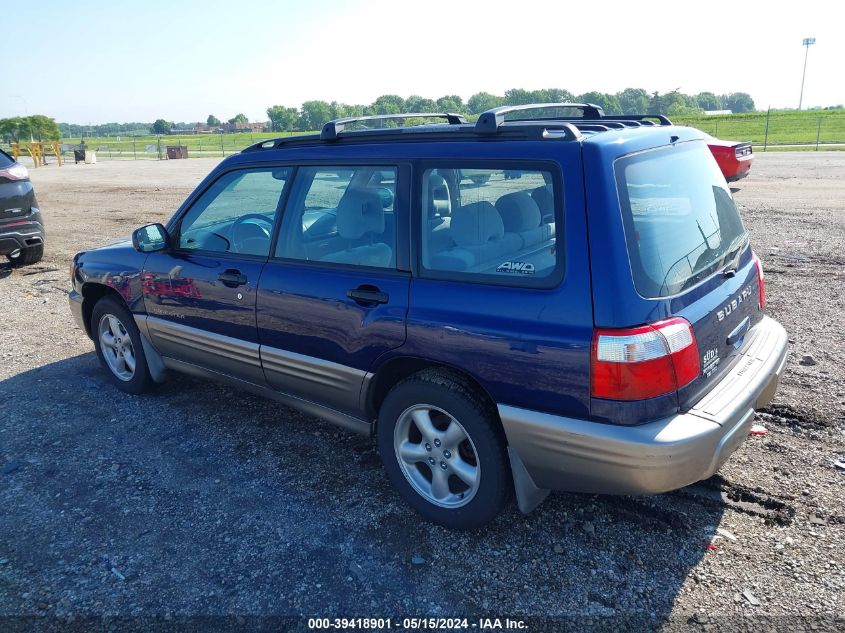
151,238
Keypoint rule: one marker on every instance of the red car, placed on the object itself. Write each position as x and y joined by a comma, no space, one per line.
734,158
162,287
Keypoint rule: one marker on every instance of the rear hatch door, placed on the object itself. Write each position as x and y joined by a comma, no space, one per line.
689,253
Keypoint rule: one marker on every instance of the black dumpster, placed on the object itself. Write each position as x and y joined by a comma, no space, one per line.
78,156
177,151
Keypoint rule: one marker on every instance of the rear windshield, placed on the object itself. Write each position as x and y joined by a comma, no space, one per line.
5,159
681,223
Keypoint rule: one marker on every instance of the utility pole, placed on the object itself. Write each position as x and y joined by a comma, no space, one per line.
806,43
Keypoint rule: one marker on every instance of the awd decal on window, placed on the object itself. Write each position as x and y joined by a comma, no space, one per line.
520,268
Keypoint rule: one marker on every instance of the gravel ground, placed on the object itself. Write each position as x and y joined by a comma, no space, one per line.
202,500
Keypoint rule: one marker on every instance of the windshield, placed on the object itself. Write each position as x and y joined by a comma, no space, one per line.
681,223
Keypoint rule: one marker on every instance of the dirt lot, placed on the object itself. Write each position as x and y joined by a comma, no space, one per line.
200,499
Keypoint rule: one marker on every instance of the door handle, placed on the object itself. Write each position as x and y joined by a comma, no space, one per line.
735,336
368,294
232,278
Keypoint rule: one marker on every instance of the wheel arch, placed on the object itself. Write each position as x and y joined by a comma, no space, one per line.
91,293
395,370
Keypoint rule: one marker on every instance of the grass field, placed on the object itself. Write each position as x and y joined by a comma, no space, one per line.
785,127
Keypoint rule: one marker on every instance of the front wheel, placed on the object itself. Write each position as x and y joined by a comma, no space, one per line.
442,449
119,348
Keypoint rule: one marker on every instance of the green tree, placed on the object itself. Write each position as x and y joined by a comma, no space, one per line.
708,101
609,103
239,118
343,110
314,115
283,119
387,104
43,128
450,103
518,96
161,127
552,95
633,101
482,101
105,129
14,128
212,121
738,102
664,103
416,103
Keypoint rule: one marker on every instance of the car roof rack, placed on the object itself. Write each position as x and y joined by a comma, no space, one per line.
490,121
640,118
331,129
517,130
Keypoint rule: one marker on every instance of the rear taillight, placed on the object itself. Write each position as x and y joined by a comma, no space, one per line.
14,172
761,279
644,362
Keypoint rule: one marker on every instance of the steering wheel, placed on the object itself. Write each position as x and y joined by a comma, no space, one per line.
240,234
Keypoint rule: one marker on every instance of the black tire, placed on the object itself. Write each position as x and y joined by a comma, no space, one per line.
141,381
450,393
27,256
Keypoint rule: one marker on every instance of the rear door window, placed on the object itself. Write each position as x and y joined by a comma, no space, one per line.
681,223
491,225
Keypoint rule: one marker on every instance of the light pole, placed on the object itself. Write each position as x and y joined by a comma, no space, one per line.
806,43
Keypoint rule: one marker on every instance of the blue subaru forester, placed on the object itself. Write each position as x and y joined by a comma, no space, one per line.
563,302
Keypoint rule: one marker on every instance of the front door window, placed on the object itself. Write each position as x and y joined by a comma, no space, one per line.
236,214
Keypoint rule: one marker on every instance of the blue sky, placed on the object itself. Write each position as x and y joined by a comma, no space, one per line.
182,60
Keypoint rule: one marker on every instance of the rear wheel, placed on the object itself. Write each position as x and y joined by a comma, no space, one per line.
441,448
26,256
119,348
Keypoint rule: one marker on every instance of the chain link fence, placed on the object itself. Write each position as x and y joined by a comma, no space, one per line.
166,147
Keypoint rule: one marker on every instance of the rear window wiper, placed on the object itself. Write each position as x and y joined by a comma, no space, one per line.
732,253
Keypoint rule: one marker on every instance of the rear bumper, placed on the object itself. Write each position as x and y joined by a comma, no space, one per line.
743,167
582,456
17,235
